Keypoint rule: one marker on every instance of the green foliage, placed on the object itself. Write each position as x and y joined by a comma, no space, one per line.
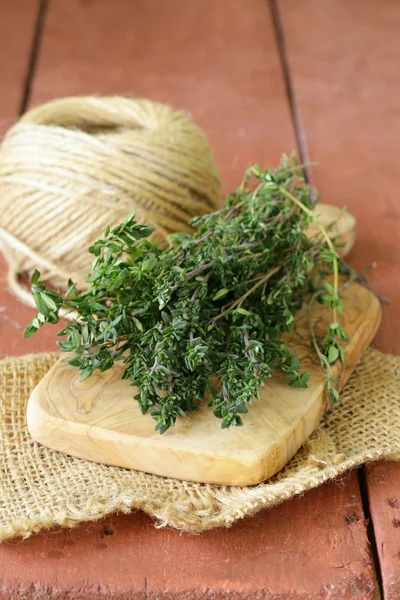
203,320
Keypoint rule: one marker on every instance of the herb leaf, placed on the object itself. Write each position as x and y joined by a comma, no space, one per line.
203,320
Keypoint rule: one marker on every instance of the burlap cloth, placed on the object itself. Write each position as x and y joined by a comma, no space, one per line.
40,488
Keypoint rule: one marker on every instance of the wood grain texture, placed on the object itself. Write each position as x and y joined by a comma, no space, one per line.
98,420
340,224
346,96
313,547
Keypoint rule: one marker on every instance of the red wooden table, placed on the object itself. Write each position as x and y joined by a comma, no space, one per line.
261,78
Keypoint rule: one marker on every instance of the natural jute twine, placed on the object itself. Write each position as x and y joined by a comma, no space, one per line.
40,488
73,166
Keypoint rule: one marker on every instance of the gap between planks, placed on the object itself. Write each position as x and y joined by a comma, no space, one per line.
289,88
273,6
43,6
362,482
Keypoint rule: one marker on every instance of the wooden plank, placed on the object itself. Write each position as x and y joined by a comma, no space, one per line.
347,94
304,549
383,481
218,60
17,25
14,317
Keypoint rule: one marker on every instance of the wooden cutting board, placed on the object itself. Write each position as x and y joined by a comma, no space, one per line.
98,419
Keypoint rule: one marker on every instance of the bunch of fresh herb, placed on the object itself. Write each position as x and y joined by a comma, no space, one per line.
205,318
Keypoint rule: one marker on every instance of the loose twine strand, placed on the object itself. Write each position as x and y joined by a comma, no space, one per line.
72,166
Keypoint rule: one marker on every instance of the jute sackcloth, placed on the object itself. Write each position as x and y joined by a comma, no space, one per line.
40,488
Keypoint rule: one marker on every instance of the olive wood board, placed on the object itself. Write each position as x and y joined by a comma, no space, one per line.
99,420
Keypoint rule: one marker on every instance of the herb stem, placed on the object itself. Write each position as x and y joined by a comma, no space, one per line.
240,300
328,240
147,308
323,360
198,270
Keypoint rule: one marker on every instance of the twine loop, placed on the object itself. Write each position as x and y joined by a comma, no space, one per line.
72,166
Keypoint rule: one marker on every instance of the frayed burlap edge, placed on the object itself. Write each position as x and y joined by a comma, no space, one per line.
40,488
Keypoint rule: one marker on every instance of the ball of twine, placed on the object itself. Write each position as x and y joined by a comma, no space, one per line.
71,167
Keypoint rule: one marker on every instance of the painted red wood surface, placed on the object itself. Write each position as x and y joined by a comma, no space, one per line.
304,549
216,60
219,61
384,496
17,22
344,59
17,29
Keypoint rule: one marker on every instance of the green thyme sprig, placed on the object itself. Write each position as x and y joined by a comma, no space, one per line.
203,320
